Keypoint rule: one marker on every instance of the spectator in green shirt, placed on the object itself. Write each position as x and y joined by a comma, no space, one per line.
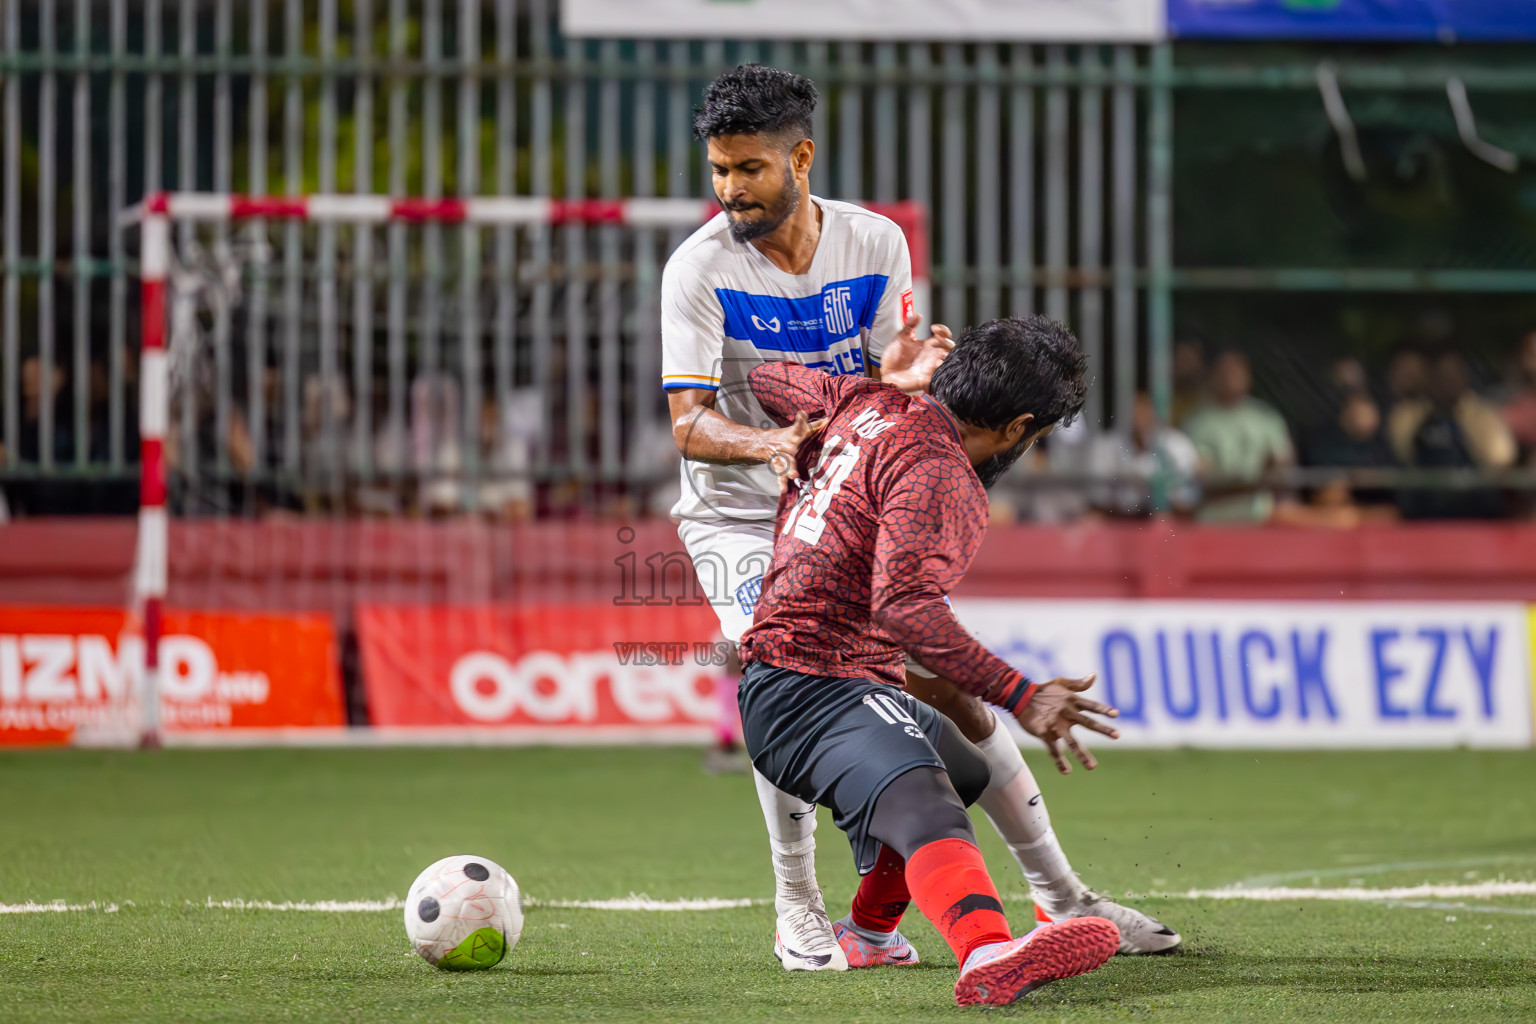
1240,439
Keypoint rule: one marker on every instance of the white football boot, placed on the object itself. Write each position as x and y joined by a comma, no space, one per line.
1139,932
804,940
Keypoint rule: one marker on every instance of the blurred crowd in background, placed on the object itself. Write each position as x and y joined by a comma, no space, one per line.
1225,455
1230,457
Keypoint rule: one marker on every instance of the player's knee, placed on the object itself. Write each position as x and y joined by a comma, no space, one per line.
918,808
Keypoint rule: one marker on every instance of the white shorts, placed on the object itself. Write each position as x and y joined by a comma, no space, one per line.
730,557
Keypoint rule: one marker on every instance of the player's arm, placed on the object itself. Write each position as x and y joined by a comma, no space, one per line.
786,389
703,435
693,352
930,528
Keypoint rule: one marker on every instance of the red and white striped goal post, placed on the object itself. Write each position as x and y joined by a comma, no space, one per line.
158,211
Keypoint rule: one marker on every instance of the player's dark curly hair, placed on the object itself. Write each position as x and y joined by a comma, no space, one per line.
1002,369
757,100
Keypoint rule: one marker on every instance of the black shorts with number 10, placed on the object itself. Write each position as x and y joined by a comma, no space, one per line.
837,742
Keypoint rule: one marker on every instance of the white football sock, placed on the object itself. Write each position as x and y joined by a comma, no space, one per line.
1016,808
793,842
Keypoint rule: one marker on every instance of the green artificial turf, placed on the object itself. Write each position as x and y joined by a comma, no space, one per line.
170,830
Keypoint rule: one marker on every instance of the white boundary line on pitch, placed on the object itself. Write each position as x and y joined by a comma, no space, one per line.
1352,871
1280,893
1428,897
632,902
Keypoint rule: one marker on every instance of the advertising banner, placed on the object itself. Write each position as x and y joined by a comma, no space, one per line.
1282,674
1386,20
992,20
582,671
75,674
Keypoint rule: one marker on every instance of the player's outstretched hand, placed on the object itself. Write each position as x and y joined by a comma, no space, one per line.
785,442
1052,712
909,363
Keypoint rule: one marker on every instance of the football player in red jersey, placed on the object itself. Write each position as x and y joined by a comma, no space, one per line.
887,511
783,274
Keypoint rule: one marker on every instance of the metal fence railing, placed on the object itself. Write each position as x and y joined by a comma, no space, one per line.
488,98
1047,170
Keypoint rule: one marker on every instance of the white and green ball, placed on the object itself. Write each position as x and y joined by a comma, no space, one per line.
464,913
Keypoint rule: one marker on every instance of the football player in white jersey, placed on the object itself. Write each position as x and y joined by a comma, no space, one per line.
781,274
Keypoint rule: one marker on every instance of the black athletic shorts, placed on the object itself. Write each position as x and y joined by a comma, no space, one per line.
836,742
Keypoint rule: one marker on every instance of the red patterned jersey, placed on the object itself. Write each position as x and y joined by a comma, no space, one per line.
887,517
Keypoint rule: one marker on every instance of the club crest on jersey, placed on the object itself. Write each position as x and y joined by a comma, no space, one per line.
837,311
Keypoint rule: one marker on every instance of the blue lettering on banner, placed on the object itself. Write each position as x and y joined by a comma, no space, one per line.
1190,708
1482,664
1220,672
1123,641
1432,685
1385,673
1309,674
1180,676
1440,645
1253,638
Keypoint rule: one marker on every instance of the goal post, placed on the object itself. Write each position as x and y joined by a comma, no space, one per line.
160,265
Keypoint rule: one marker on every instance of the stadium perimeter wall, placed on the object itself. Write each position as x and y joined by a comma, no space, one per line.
331,565
556,632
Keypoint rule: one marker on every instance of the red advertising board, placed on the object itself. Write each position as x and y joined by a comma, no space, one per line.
76,673
571,668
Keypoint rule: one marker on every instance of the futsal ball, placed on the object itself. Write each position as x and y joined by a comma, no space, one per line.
464,913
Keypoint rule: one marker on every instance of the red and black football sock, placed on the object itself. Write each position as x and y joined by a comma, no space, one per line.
949,882
882,896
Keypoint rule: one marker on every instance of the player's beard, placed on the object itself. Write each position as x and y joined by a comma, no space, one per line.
991,470
787,203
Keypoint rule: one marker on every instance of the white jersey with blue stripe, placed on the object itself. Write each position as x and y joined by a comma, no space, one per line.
726,308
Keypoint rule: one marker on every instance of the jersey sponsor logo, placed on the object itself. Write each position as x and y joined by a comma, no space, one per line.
846,359
906,305
823,330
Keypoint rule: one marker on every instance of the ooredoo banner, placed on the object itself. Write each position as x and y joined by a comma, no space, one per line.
71,674
1282,674
584,671
1057,20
